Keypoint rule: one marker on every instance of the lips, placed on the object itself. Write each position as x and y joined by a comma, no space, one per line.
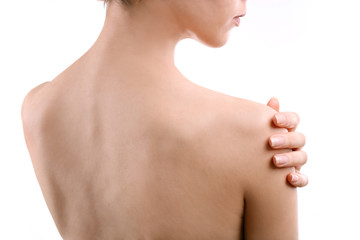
237,21
242,15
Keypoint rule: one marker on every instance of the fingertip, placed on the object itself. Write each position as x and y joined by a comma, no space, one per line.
288,178
274,103
275,120
298,179
280,119
294,178
274,99
274,160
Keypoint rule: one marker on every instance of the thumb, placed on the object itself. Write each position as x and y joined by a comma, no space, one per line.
274,104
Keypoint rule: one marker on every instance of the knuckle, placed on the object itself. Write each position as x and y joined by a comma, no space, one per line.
296,118
303,136
301,139
305,157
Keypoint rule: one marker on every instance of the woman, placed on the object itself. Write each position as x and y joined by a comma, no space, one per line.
125,147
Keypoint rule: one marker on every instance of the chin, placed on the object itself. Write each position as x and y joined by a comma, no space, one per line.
213,41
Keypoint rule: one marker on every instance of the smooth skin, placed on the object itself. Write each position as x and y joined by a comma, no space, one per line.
125,147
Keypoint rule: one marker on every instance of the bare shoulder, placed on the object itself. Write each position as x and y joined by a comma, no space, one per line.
254,122
255,115
238,135
239,139
31,106
32,94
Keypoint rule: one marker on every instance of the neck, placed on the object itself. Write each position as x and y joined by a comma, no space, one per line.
135,36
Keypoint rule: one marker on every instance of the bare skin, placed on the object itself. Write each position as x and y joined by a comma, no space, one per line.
121,165
125,147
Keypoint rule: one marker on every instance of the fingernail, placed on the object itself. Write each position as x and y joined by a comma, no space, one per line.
276,141
280,119
281,160
294,178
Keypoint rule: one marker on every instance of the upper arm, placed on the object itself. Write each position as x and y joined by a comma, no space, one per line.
270,202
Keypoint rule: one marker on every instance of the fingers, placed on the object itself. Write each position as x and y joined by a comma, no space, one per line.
297,179
274,104
290,159
290,140
289,120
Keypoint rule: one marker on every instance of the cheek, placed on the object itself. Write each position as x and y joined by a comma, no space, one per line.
212,22
214,33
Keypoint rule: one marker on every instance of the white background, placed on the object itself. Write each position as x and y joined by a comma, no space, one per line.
305,52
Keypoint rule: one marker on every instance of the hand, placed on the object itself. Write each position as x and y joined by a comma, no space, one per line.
291,140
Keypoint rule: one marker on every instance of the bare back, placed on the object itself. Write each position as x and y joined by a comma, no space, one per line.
150,165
